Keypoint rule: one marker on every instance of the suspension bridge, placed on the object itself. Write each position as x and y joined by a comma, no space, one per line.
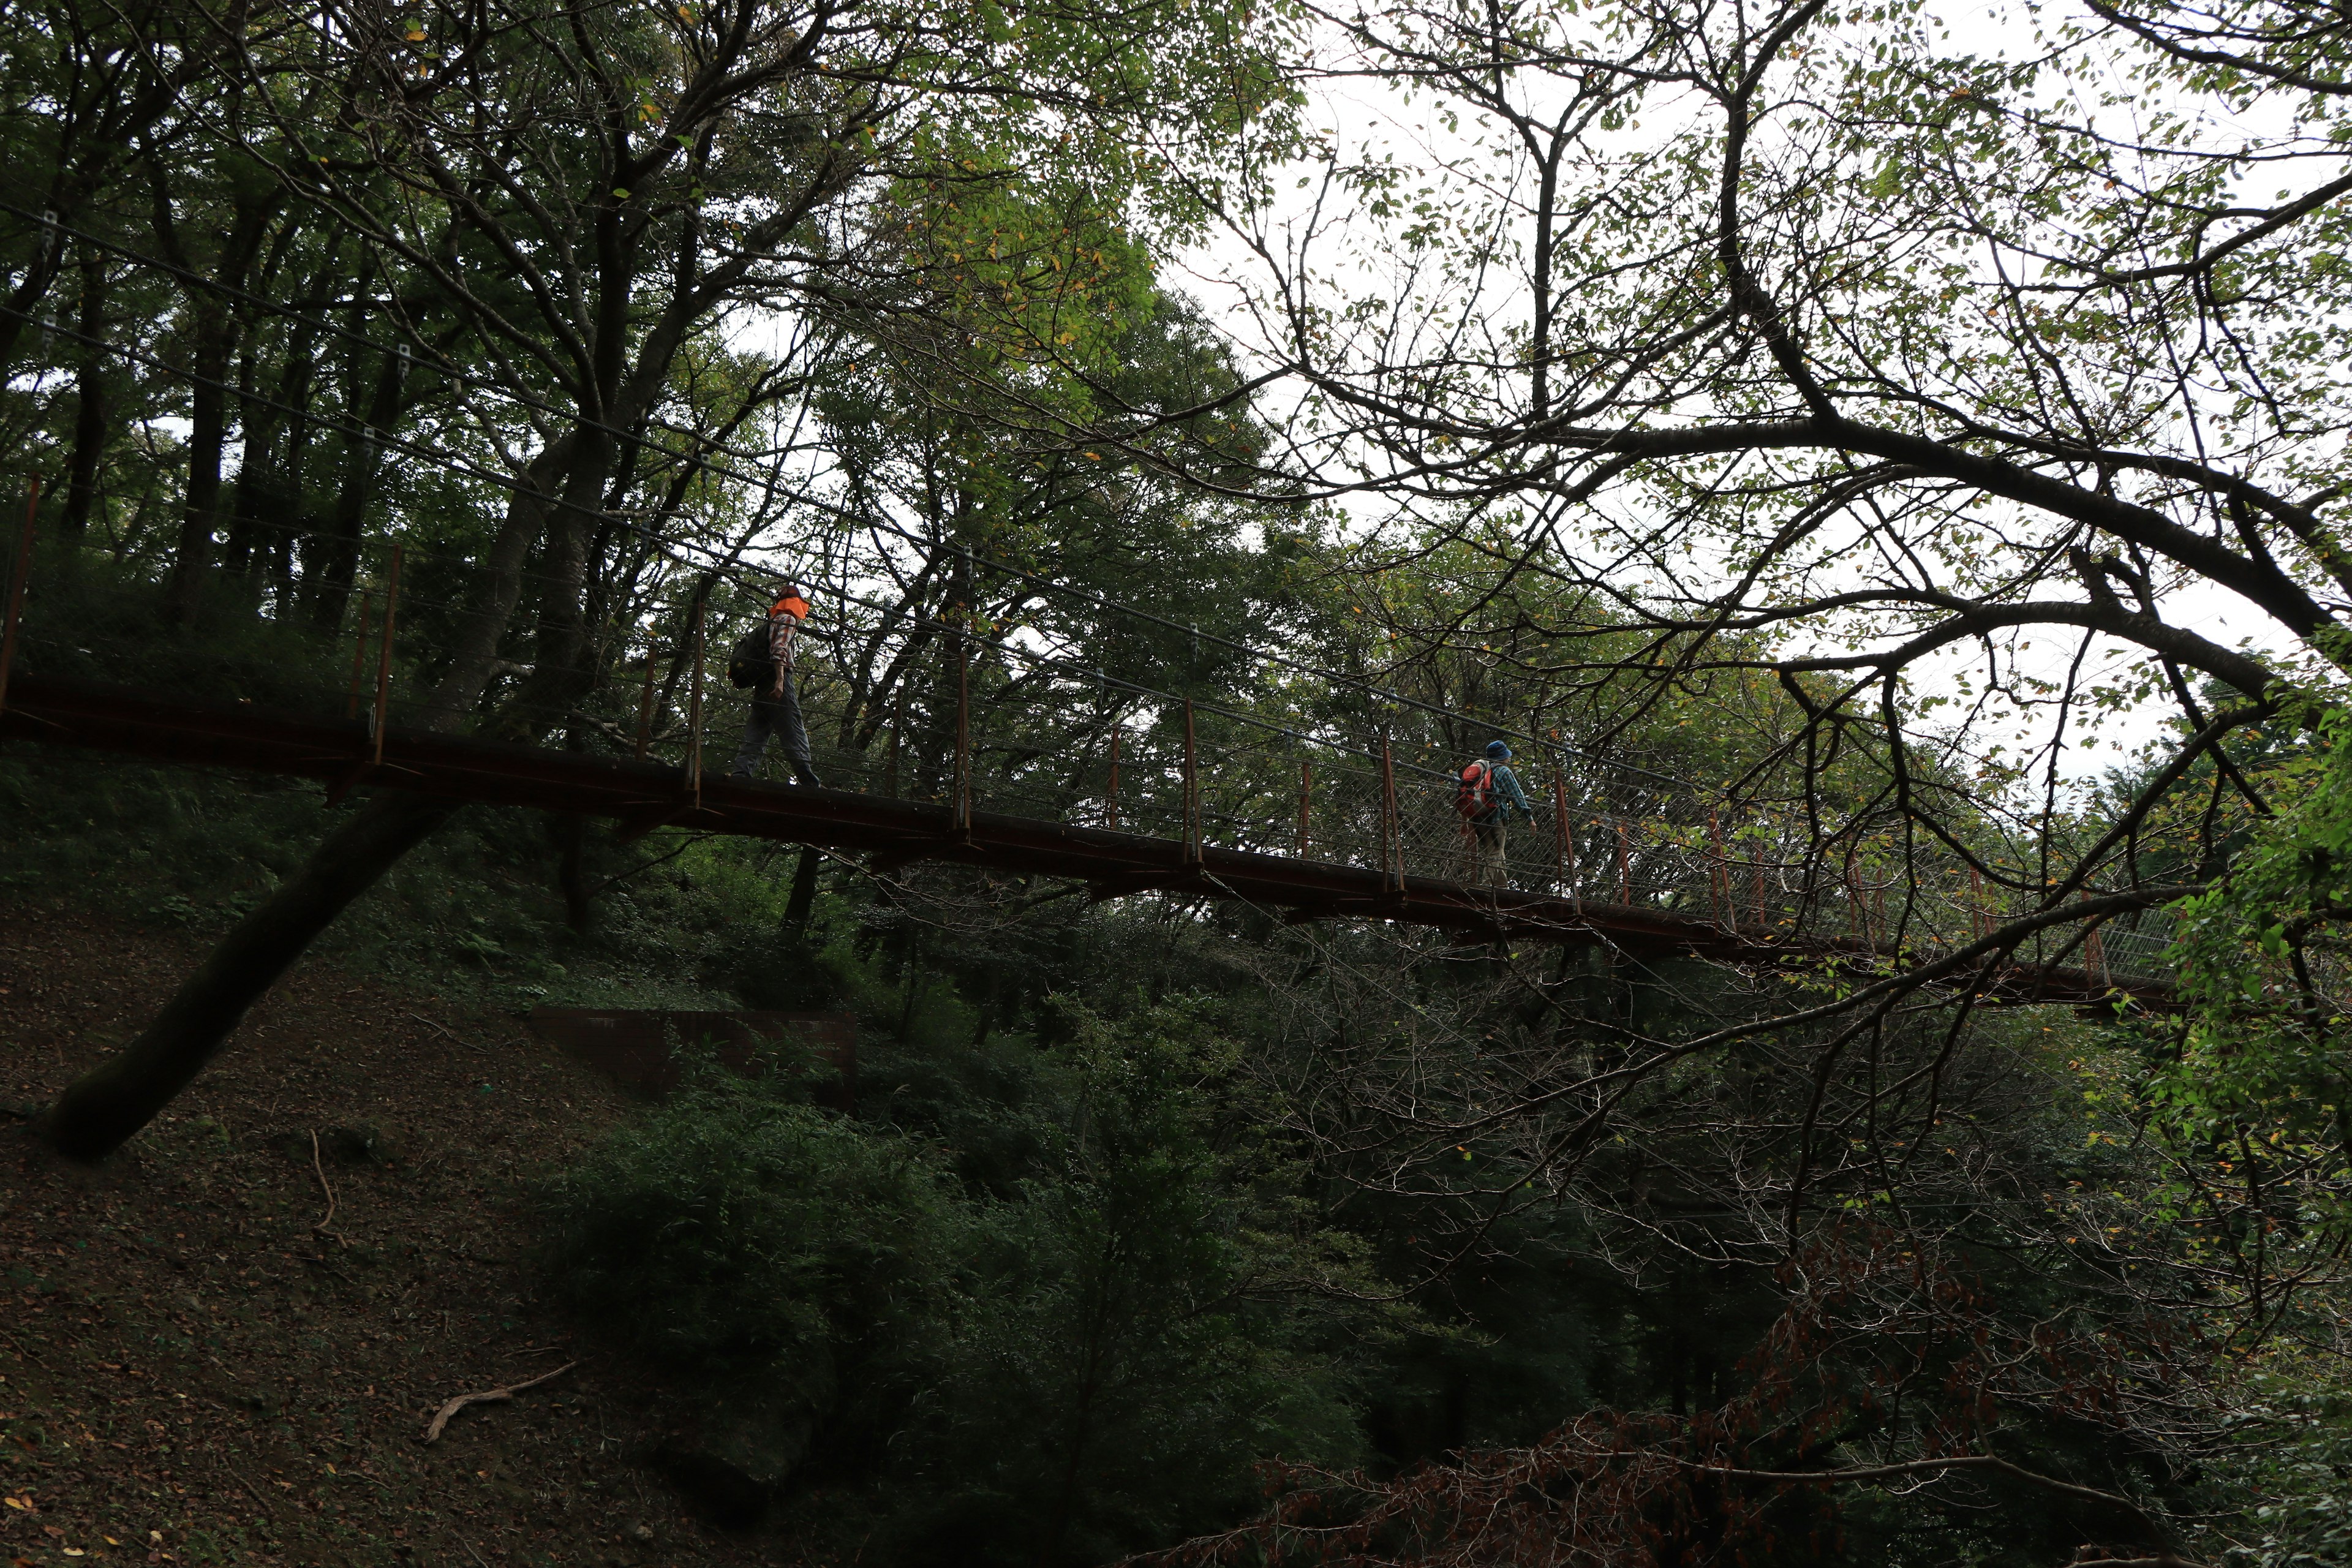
941,737
1066,774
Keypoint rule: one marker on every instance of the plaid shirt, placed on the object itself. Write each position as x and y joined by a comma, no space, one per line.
1508,796
782,627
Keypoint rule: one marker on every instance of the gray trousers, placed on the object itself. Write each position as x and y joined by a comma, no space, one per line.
1494,867
779,716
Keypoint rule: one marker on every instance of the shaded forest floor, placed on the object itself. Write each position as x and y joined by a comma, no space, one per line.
195,1373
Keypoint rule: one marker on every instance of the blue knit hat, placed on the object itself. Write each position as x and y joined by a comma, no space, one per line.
1499,751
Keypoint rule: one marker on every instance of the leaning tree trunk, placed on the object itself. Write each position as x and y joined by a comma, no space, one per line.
113,1100
105,1106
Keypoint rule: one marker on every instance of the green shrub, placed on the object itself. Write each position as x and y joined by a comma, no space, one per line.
1075,1359
733,1234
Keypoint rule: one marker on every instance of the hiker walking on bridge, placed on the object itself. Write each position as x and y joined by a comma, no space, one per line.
1488,795
762,661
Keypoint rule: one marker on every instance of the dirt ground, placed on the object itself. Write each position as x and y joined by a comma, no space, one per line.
196,1371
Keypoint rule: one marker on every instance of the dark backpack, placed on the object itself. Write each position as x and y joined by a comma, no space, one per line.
1474,796
752,661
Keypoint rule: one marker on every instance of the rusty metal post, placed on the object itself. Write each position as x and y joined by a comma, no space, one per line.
2095,951
1192,792
1560,849
358,659
1111,796
694,715
1718,874
961,804
384,661
1390,836
17,592
1306,803
1624,866
645,704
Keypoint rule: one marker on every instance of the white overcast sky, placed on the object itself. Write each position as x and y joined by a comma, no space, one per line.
1366,118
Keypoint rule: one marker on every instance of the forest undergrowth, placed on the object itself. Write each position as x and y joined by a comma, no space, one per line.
1074,1280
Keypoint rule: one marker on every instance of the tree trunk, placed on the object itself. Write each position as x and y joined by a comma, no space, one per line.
339,551
113,1100
570,831
797,908
208,432
25,297
89,401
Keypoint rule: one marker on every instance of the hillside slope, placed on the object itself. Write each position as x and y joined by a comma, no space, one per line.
194,1373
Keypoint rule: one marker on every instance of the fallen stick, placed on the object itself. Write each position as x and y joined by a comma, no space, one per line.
267,1505
320,1229
452,1038
488,1396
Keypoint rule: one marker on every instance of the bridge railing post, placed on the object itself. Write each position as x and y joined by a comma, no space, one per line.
2095,951
1857,912
1192,792
961,804
646,703
1305,802
1718,874
694,714
1110,795
384,661
1391,836
359,658
24,569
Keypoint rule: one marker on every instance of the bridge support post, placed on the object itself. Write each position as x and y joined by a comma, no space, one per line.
645,704
2094,951
16,591
890,759
1305,802
1718,875
1391,840
694,714
1563,842
961,807
358,659
1192,793
384,659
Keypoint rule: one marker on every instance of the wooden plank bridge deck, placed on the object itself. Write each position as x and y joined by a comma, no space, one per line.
888,833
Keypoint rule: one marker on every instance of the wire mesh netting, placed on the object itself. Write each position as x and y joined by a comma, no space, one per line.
929,710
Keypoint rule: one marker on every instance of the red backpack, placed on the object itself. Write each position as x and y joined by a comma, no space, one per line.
1474,796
